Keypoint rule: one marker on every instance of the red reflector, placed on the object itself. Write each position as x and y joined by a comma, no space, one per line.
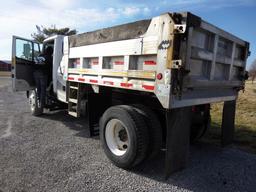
126,84
81,79
71,78
148,87
159,76
93,81
149,62
108,82
118,62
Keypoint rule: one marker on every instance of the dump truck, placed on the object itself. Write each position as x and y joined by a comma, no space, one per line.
144,86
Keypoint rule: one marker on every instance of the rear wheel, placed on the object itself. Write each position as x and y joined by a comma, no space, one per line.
33,102
201,121
154,129
124,136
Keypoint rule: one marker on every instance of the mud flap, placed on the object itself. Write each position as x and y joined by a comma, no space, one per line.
228,123
177,139
96,105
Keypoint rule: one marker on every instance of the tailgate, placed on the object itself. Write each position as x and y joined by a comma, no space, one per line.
214,64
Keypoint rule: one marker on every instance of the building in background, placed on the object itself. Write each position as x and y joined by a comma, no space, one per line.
5,65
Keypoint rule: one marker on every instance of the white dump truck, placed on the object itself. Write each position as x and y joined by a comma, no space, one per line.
143,86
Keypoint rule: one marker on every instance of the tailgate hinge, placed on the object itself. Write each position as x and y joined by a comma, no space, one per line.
180,28
176,64
177,74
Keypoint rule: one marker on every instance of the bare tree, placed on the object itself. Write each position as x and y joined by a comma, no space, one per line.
252,71
44,32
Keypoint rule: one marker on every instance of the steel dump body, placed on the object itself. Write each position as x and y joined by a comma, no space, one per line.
179,58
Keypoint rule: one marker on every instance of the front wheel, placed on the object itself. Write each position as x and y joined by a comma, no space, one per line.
34,104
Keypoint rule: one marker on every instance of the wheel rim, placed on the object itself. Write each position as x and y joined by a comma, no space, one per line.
117,137
32,101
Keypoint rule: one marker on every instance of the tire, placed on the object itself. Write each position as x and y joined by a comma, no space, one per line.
33,102
200,124
154,129
129,147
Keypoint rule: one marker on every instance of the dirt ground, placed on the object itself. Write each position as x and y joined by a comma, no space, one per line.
55,153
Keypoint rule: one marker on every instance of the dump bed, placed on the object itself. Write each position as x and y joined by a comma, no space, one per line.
178,57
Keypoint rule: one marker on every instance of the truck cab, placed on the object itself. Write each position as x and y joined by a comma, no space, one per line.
24,56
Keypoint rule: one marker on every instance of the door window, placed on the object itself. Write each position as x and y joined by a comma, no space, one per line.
24,49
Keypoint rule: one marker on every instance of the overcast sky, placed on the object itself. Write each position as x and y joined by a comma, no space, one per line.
19,17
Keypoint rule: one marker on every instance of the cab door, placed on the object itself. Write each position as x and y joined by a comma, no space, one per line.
24,52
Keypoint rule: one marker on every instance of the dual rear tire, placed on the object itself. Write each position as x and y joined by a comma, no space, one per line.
125,132
201,122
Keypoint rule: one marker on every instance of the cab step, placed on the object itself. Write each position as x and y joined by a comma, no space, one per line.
74,98
74,114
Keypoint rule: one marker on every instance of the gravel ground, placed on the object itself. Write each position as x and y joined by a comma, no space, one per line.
54,153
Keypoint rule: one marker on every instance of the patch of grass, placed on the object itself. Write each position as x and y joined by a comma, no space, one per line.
245,132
